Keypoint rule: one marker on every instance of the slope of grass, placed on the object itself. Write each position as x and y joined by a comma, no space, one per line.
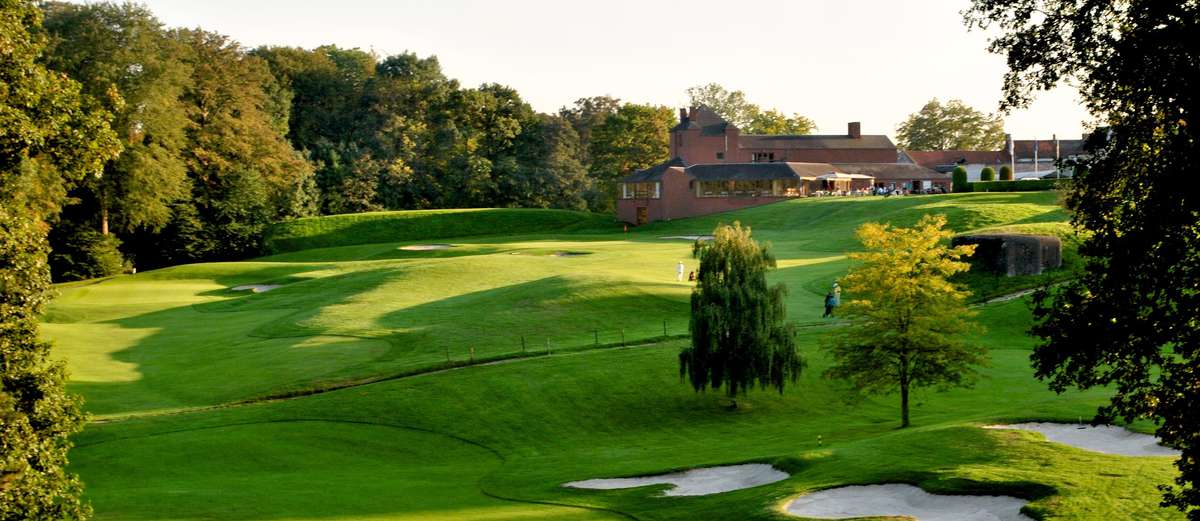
375,227
496,441
623,412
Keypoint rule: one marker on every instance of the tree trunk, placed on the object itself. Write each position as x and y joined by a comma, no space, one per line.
903,391
103,219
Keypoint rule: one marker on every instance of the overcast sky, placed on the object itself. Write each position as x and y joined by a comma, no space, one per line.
874,61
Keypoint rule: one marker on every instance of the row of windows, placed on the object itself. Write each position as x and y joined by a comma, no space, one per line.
761,188
641,190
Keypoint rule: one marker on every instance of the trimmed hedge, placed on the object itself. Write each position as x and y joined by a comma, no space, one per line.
415,225
1006,173
987,174
1039,185
958,180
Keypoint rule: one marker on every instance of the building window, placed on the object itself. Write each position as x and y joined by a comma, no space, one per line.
764,157
641,190
720,156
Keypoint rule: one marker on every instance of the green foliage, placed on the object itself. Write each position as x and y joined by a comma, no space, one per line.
739,334
953,125
1129,324
958,180
367,228
987,174
80,252
1006,173
121,55
733,107
1034,185
774,122
906,320
49,142
633,138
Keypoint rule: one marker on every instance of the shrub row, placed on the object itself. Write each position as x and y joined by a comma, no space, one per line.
1039,185
378,227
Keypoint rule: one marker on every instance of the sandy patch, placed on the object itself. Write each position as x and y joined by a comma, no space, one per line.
426,247
689,237
257,288
1107,439
905,500
695,482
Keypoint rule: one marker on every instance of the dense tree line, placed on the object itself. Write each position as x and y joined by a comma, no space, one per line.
218,141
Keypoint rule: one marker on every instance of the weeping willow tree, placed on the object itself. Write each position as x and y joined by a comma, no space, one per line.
739,337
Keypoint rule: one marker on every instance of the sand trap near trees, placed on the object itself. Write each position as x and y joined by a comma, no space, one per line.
426,247
905,500
689,237
256,288
1107,439
695,482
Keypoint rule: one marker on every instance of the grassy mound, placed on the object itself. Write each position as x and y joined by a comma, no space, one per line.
376,227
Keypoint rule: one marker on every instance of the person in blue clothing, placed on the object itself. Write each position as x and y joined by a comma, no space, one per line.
830,303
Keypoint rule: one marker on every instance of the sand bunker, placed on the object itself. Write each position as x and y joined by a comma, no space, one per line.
1104,438
695,482
426,247
690,237
257,288
905,500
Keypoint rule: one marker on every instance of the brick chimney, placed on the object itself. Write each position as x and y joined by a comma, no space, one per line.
855,129
683,115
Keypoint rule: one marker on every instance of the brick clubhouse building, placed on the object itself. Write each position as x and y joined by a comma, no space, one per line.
716,168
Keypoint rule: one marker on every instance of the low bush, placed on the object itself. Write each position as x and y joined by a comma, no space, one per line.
1039,185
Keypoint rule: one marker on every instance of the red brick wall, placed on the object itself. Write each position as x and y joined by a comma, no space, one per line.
679,201
696,149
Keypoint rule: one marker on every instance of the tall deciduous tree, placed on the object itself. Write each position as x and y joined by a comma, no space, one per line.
48,144
585,115
953,125
244,172
733,107
775,122
1129,323
905,319
739,334
126,64
635,137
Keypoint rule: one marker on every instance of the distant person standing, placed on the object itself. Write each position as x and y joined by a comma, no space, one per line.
679,272
837,294
829,304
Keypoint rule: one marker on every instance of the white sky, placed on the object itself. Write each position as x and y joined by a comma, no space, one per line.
835,61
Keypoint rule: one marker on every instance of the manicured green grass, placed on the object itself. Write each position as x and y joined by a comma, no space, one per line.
496,441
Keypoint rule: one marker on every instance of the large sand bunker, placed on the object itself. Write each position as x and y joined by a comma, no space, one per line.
905,500
256,288
695,482
1104,438
426,247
